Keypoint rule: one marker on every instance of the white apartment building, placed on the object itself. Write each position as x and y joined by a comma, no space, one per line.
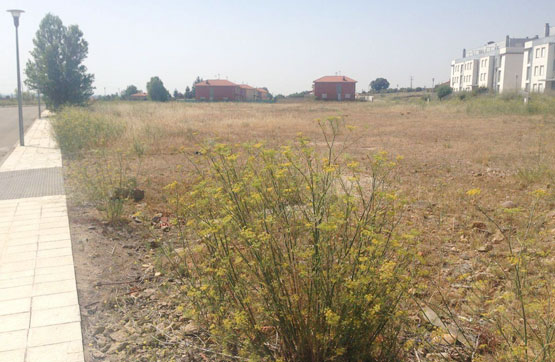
539,63
496,65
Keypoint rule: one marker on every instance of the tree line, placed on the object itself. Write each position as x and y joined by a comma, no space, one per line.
56,70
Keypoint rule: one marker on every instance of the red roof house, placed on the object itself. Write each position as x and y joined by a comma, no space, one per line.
217,90
335,87
141,96
248,93
262,94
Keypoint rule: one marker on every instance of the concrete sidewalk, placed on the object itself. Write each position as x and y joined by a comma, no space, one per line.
39,310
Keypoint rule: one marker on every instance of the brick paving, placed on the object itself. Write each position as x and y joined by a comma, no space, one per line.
39,310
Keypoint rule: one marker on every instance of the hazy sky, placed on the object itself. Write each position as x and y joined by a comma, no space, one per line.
283,45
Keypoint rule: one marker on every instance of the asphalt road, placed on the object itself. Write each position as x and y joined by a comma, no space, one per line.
9,129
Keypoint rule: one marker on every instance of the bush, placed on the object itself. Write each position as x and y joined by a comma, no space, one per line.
479,90
291,255
443,91
77,129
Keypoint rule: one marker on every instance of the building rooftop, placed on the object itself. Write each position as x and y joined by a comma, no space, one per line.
246,86
493,48
335,79
215,82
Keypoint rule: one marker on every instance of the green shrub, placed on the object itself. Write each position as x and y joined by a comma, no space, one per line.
443,91
77,129
292,255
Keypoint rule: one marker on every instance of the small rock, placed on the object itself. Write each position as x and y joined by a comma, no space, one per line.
101,341
485,248
138,195
156,218
444,339
498,237
98,355
118,336
99,330
190,328
92,227
508,204
444,356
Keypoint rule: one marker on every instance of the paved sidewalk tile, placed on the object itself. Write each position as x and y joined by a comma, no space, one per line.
39,309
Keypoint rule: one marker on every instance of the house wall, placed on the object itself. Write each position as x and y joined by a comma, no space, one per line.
510,70
457,69
539,67
328,91
219,93
248,94
486,72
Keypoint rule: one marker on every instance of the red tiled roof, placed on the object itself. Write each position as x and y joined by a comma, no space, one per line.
335,79
262,90
140,94
246,86
215,82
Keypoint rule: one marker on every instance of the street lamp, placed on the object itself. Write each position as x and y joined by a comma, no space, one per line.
16,14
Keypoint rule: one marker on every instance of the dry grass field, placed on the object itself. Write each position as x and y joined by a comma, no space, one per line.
475,182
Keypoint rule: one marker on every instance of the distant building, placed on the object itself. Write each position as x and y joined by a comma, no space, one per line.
496,66
335,87
217,90
515,64
141,96
248,93
539,63
262,94
224,90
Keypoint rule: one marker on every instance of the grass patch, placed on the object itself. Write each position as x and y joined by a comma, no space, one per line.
77,129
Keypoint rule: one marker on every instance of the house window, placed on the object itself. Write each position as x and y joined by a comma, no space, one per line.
530,56
537,52
543,52
536,70
541,69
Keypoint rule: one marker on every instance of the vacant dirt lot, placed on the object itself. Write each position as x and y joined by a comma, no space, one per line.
465,239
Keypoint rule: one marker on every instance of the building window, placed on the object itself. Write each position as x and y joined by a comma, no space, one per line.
528,73
541,69
540,87
536,70
535,87
530,56
537,52
543,52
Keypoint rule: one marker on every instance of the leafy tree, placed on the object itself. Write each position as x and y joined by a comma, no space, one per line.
379,84
193,91
188,93
56,66
129,91
156,90
443,91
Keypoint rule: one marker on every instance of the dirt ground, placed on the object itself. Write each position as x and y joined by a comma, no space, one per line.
127,302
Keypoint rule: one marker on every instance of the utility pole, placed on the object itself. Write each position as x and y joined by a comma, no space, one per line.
16,14
433,82
411,82
38,96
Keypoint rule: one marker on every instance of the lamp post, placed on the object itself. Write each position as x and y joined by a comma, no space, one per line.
38,96
16,14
